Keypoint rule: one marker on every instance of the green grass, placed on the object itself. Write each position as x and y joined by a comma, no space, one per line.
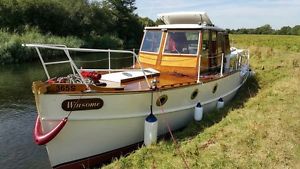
259,129
282,42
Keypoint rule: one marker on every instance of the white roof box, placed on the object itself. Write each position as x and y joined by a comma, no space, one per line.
185,18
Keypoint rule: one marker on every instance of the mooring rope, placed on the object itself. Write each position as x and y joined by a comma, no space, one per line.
171,133
73,106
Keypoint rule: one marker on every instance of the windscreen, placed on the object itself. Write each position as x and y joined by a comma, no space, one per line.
151,41
182,42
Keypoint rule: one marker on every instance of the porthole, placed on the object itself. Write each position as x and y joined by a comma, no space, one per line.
194,94
215,88
161,100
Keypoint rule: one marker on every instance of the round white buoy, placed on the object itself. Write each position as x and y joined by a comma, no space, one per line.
198,114
150,130
220,104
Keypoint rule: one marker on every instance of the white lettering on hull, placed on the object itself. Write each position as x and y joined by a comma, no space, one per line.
82,104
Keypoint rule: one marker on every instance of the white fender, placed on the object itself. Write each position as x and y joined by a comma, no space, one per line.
220,104
150,130
198,114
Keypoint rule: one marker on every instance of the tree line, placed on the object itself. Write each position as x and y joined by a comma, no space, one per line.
81,23
267,29
76,23
97,22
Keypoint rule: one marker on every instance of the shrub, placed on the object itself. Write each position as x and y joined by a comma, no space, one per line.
103,42
11,50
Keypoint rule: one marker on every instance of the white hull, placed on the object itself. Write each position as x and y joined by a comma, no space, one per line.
120,122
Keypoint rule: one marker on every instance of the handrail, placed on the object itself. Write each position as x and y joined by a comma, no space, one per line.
77,49
73,65
199,65
222,65
244,53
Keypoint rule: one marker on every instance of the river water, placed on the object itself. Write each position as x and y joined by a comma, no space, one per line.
18,113
17,117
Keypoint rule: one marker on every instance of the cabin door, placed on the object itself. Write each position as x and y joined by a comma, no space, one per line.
210,51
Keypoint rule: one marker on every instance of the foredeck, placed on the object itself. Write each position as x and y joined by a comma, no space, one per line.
171,80
165,81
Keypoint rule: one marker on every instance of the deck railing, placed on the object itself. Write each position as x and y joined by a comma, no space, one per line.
74,68
240,55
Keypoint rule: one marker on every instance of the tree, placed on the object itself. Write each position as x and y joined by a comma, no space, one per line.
286,30
296,30
127,27
159,22
265,29
146,21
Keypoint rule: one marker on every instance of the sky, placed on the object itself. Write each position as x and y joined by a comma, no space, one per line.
231,14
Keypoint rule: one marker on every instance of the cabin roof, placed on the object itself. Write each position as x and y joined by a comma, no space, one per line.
185,18
184,27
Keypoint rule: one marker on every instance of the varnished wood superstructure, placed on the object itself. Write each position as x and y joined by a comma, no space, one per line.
175,69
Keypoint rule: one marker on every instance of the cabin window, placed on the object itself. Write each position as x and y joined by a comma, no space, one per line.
220,43
205,42
227,45
213,55
181,42
151,41
211,50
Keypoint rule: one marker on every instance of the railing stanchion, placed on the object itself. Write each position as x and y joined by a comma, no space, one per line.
222,65
133,59
43,63
137,59
109,68
248,58
75,67
199,65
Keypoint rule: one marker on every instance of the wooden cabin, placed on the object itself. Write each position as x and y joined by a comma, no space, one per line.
177,47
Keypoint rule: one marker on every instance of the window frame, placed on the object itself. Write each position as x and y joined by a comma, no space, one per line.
181,54
143,40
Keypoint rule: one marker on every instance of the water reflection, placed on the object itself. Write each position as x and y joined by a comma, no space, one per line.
17,113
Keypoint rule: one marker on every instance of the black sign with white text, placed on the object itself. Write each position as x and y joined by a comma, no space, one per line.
82,104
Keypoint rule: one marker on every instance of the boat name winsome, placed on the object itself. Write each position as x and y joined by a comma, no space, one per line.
82,104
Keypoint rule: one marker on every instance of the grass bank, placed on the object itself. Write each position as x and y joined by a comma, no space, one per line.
259,129
282,42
